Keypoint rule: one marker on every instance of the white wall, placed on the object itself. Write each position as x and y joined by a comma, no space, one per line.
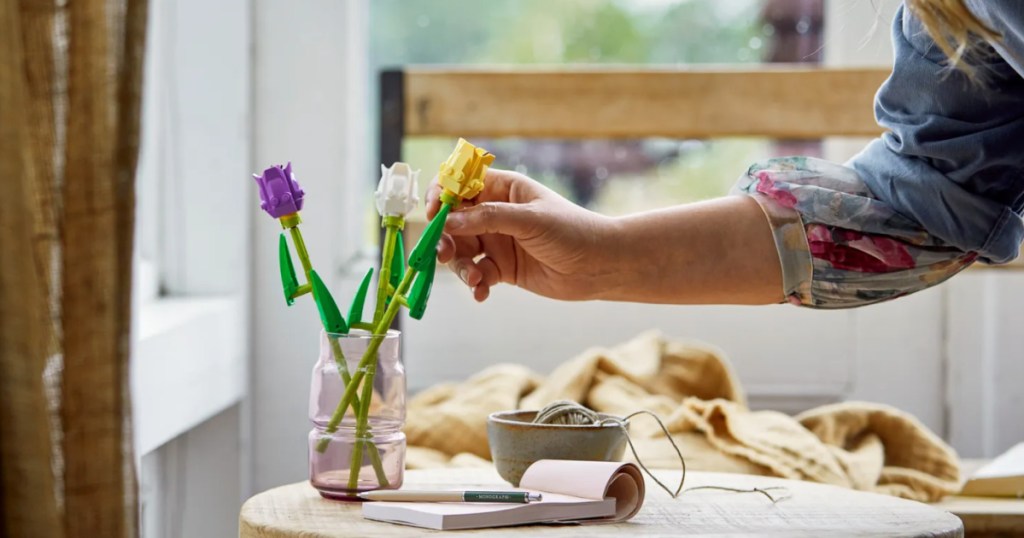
309,96
190,486
986,362
857,32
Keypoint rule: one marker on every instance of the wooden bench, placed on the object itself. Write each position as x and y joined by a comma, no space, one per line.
983,516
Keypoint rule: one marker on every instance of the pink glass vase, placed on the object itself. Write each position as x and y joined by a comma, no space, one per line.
349,461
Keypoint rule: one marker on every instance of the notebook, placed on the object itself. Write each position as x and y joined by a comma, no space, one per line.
573,492
1003,477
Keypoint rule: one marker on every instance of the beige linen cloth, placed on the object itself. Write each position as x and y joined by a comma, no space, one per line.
692,387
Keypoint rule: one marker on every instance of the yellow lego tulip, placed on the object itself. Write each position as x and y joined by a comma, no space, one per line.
462,174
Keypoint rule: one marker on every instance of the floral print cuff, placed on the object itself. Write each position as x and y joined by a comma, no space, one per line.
839,246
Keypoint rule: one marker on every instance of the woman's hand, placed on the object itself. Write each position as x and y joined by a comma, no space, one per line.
520,232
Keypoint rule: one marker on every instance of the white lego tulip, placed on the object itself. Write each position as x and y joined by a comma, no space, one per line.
396,193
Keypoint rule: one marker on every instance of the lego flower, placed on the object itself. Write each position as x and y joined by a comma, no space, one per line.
280,194
396,193
462,175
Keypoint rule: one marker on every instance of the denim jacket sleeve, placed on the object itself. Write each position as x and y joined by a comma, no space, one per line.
953,157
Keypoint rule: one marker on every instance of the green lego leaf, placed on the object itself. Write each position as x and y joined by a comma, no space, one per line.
288,279
425,250
330,316
355,312
398,262
421,289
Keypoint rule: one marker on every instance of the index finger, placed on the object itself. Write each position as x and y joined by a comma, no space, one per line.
433,201
497,186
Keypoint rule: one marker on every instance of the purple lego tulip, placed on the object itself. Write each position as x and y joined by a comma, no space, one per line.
280,194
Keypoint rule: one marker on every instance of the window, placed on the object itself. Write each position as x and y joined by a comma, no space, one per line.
609,176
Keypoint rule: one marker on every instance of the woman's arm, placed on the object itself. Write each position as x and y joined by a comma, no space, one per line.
715,252
522,233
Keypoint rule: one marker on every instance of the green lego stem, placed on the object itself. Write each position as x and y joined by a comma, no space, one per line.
371,352
391,225
386,257
300,250
339,361
362,427
302,290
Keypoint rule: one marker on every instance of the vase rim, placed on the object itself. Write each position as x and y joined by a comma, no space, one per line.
361,334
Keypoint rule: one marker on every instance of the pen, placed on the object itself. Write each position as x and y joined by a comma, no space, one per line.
451,496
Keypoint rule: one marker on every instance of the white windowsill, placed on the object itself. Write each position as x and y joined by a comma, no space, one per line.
187,365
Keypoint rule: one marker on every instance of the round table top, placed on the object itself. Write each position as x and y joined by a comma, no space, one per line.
297,510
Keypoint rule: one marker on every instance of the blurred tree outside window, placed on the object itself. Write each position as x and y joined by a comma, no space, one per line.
610,176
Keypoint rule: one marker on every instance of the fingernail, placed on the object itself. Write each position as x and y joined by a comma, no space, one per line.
464,275
454,222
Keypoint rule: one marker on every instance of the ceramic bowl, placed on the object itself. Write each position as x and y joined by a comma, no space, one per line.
516,442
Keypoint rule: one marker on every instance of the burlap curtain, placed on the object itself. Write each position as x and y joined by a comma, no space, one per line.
70,75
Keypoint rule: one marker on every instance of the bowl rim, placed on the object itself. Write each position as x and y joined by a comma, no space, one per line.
500,417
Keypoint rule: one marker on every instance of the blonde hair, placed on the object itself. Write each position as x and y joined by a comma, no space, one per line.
954,29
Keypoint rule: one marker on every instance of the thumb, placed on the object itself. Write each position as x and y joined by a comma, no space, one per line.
504,218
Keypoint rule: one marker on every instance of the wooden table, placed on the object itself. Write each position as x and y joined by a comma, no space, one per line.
297,510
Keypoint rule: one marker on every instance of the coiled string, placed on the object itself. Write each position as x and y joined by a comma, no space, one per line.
571,413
